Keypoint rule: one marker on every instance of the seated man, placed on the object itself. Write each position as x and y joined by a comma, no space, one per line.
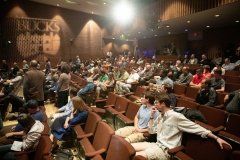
163,78
168,68
197,78
217,82
176,70
10,134
88,88
65,110
17,78
185,78
125,87
169,127
147,74
206,71
167,89
103,77
233,100
206,94
193,60
49,89
7,88
135,133
123,77
227,65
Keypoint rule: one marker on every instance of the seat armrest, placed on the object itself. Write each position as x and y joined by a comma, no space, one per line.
221,106
79,137
129,94
92,154
218,129
175,150
20,153
100,100
182,155
107,106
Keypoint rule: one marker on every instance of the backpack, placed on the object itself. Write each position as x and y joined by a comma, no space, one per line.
193,114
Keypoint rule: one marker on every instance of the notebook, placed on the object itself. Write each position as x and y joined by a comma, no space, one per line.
17,146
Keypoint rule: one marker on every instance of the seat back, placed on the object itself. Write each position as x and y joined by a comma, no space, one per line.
120,149
214,117
132,110
102,136
91,123
112,97
221,97
179,89
139,91
232,79
44,147
89,98
191,92
232,73
230,87
46,128
200,148
232,126
121,104
187,104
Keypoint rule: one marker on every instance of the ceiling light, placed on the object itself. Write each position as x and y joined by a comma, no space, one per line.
169,32
144,37
207,26
128,34
113,38
237,21
104,3
123,12
217,15
139,32
155,35
127,39
186,30
167,26
92,12
188,21
135,38
57,4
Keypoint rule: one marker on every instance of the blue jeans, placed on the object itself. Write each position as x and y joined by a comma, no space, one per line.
6,153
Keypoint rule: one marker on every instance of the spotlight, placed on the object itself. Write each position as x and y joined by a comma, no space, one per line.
123,12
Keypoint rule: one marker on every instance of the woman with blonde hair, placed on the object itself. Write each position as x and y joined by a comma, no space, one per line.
61,125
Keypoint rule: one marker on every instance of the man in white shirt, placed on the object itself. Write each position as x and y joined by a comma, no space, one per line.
125,87
169,127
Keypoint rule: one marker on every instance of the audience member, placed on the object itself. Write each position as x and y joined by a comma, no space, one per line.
197,78
88,88
78,62
33,84
233,100
17,78
163,78
227,65
177,68
134,133
186,59
50,89
207,94
63,85
168,122
204,60
185,78
63,124
218,67
47,66
103,85
167,89
15,69
4,68
193,60
168,68
217,82
32,130
206,71
147,74
6,89
217,59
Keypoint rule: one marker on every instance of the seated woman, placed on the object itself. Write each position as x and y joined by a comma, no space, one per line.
95,74
61,125
32,130
103,85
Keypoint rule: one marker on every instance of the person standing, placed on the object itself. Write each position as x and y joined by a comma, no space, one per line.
78,62
34,84
63,85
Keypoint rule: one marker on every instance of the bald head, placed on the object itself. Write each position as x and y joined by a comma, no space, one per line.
33,63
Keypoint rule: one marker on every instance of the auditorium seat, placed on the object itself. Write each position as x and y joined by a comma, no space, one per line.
89,128
235,155
221,100
232,131
232,73
4,107
89,96
198,148
127,119
232,79
190,94
179,90
187,104
138,157
230,87
110,101
43,149
100,143
133,96
120,107
216,118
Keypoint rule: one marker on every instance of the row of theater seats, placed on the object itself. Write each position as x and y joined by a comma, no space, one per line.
6,101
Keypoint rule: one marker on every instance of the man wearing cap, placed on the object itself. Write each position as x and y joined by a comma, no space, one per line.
124,87
10,134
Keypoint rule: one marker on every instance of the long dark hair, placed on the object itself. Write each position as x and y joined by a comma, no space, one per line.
26,121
